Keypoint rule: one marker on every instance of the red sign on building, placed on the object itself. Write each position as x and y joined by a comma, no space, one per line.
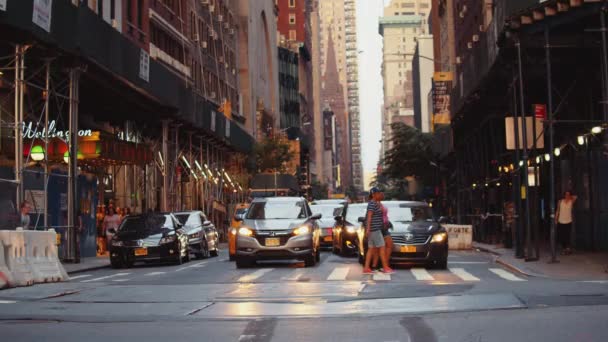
540,111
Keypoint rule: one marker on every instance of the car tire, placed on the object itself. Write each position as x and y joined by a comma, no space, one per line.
116,263
318,255
179,260
360,257
244,262
309,261
442,264
214,253
204,253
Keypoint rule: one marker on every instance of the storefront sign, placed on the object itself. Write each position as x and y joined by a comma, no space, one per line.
30,131
2,5
42,14
144,65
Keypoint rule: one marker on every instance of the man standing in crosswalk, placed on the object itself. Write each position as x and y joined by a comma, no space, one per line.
374,225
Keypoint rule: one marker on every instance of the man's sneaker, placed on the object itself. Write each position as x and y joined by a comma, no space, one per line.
388,270
368,271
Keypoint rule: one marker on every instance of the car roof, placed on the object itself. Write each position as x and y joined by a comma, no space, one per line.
407,203
278,199
330,201
332,205
187,212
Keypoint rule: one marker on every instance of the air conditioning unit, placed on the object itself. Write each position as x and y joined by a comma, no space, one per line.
458,60
226,25
221,60
226,65
482,28
475,37
204,44
233,71
196,37
212,95
470,45
211,8
114,23
232,32
220,18
204,2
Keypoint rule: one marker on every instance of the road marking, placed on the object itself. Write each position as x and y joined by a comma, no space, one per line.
468,262
381,276
594,281
464,275
154,273
505,275
7,302
80,276
294,275
244,338
120,280
255,275
106,277
421,274
339,273
198,264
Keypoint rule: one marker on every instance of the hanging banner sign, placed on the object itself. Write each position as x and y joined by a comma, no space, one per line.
144,65
30,131
442,86
42,14
2,5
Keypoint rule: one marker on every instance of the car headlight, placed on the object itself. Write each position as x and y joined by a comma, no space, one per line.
302,230
351,229
233,231
245,231
117,243
167,239
439,237
195,235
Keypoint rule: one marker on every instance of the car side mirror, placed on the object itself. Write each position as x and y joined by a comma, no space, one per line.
361,219
238,218
207,223
316,217
443,219
111,230
339,219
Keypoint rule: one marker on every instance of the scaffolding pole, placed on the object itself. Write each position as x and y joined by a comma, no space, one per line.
19,78
46,144
165,168
71,254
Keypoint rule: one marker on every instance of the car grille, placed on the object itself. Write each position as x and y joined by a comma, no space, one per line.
283,236
417,255
418,239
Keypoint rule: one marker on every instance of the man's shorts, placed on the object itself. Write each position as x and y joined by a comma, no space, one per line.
375,239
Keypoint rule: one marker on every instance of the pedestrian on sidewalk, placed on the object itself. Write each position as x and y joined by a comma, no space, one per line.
373,229
112,220
24,209
563,220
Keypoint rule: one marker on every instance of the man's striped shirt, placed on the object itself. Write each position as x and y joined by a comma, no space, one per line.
376,212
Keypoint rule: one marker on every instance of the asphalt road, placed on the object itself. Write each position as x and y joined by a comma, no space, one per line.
211,300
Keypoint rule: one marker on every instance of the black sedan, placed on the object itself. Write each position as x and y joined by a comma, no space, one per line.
417,237
203,238
149,237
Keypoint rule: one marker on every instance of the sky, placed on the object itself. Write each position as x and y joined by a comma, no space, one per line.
370,81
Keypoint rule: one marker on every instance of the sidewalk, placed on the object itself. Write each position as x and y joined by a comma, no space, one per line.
87,264
584,266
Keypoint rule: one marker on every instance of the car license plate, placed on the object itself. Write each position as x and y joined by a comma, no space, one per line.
328,239
408,249
141,251
272,242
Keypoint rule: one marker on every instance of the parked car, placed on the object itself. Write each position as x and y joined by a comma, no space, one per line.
203,238
148,237
239,212
278,228
329,201
328,213
346,229
417,237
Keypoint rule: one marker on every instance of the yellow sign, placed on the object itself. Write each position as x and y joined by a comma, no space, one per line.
443,76
226,108
337,196
523,192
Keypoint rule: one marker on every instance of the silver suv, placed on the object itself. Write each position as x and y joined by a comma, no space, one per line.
278,228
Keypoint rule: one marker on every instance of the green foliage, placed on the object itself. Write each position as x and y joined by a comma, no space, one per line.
272,154
319,191
411,155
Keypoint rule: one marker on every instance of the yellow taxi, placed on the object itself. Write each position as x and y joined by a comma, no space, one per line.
239,210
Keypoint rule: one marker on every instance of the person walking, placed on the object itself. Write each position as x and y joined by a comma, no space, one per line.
373,229
112,220
388,239
563,220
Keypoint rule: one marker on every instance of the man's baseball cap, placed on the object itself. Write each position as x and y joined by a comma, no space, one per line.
374,190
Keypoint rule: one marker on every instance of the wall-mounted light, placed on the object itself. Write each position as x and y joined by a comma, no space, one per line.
581,140
547,157
521,163
474,185
557,151
538,160
597,130
498,184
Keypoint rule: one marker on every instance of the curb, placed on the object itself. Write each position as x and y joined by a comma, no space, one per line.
487,250
516,269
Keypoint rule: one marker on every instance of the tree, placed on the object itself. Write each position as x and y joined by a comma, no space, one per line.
272,154
319,191
411,155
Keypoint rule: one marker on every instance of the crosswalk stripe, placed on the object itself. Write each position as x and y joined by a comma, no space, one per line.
7,302
80,276
154,273
106,277
381,276
120,280
464,275
294,276
339,273
255,275
505,275
421,274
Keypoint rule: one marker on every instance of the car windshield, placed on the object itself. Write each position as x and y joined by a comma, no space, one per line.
327,210
189,220
354,212
408,213
276,210
151,225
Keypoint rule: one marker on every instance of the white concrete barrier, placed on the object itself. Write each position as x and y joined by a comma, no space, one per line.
16,261
459,236
41,255
6,278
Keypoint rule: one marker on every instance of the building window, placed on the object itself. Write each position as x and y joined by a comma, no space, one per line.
292,18
292,3
292,35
